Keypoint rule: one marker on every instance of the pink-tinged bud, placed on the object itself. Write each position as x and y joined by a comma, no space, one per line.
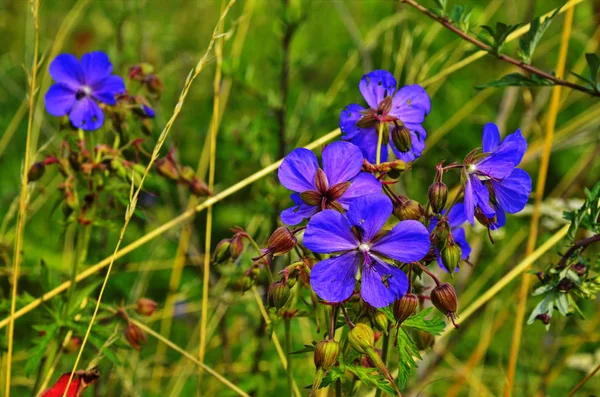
441,231
135,336
222,251
321,182
236,247
146,306
424,340
401,138
451,256
380,321
405,307
444,299
167,168
326,354
544,318
36,171
361,337
278,294
408,210
73,345
438,195
281,241
199,188
154,84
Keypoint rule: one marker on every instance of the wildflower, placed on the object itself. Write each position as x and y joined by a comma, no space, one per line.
80,86
363,246
402,112
335,185
456,217
493,183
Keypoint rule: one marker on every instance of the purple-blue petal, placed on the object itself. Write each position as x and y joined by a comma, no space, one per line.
59,99
333,279
367,142
86,114
96,67
342,161
297,171
362,185
375,86
65,69
515,146
348,118
460,238
372,288
500,218
408,241
457,216
148,111
329,231
106,90
513,192
470,201
482,196
411,104
491,137
296,214
500,163
369,214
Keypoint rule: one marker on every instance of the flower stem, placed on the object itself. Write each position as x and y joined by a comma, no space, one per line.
379,142
384,356
288,351
437,280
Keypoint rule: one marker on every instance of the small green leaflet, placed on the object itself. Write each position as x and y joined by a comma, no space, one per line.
460,16
593,62
371,377
38,351
497,35
441,8
517,80
435,325
407,349
529,42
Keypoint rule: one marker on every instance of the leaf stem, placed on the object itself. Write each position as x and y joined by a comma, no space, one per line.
288,351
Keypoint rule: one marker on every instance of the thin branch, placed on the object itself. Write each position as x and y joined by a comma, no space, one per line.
447,23
577,245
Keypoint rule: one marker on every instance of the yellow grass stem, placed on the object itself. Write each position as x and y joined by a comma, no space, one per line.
134,193
13,125
35,6
187,355
539,194
379,142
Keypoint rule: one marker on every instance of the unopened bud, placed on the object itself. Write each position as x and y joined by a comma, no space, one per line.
278,294
407,210
146,306
154,84
401,138
281,241
451,256
236,247
246,283
438,194
167,168
441,231
222,251
544,318
405,307
73,345
579,268
36,171
199,188
326,354
135,336
361,337
380,321
444,299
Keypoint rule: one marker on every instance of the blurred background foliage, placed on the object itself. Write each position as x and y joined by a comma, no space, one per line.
332,44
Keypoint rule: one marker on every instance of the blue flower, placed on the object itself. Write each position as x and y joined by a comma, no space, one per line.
456,217
365,250
334,186
494,185
405,108
80,86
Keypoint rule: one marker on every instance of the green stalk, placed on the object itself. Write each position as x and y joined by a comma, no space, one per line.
288,351
384,354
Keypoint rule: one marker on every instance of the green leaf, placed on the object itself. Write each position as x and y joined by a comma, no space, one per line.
498,35
440,10
562,304
519,80
407,350
529,41
545,306
332,375
371,377
593,62
38,351
306,349
433,325
460,16
81,294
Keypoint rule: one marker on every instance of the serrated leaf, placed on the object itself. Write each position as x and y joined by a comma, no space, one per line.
38,351
371,377
434,325
81,294
332,375
498,35
517,80
407,351
529,41
460,16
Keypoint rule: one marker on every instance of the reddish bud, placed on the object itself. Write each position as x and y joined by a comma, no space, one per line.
405,307
199,188
444,299
36,171
167,168
73,345
281,241
236,247
135,336
146,306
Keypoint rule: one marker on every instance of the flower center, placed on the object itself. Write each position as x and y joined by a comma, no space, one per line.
471,168
83,92
364,248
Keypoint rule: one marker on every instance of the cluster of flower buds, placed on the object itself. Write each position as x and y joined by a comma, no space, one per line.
144,73
230,249
169,168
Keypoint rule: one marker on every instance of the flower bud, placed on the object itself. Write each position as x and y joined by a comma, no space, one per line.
222,251
380,321
405,307
146,306
199,188
451,256
544,318
444,299
401,138
36,171
135,336
326,354
154,84
278,294
245,283
281,241
167,168
236,247
438,194
361,337
441,231
579,268
408,209
73,345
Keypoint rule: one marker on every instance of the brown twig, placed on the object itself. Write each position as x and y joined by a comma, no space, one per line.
577,245
447,23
